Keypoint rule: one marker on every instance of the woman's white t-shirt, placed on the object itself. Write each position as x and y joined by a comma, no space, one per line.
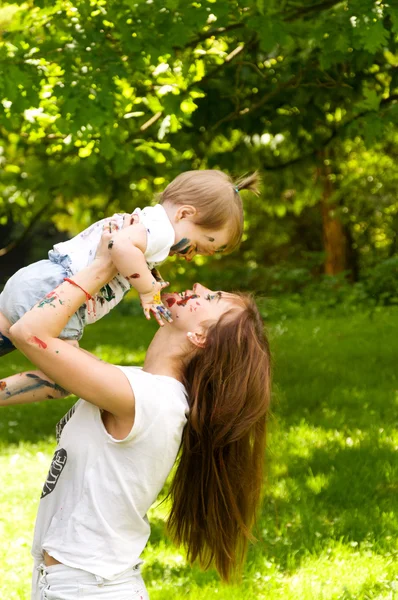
92,513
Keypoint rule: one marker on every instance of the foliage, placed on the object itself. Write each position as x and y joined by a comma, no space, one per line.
330,504
382,282
105,102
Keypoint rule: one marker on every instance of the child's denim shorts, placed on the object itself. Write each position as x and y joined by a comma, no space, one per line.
30,284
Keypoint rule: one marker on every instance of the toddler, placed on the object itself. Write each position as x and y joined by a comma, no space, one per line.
199,212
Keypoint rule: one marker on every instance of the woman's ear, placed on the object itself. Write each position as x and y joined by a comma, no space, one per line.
186,211
197,338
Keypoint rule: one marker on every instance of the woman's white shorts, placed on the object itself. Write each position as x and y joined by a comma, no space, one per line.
59,582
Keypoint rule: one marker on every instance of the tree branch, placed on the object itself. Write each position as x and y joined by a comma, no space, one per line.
335,134
26,232
306,10
208,34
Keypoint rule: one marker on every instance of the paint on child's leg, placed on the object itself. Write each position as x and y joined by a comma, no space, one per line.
39,382
51,298
28,382
3,388
6,345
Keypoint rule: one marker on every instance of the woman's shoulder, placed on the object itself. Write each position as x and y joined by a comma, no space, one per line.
154,385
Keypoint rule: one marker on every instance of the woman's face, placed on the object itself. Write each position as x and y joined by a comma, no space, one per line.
191,308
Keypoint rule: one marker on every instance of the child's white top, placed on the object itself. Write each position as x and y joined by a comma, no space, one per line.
92,512
80,251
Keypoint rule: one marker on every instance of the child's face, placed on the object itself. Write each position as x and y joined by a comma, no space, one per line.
191,239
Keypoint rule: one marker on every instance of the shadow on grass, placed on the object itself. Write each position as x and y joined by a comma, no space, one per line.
356,503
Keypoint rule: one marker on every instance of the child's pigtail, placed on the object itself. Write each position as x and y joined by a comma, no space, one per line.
249,182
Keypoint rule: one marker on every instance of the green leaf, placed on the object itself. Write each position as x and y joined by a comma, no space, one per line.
374,36
270,31
107,147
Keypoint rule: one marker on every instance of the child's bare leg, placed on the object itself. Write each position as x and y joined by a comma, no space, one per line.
30,386
6,345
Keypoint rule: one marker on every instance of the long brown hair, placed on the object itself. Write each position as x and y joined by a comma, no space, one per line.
216,197
217,485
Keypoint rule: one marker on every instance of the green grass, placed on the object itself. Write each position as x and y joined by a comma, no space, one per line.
328,527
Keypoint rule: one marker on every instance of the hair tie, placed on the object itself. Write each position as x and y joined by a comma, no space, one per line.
236,190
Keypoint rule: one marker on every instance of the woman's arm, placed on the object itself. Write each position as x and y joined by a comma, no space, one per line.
35,334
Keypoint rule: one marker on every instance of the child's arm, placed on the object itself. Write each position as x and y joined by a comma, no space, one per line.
127,249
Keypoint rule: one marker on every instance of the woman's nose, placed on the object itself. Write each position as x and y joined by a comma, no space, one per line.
198,288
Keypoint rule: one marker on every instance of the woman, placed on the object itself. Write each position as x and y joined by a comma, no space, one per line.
205,385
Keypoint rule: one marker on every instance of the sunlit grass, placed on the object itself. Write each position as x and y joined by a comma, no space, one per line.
328,527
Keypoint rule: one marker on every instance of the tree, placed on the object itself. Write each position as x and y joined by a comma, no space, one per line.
105,102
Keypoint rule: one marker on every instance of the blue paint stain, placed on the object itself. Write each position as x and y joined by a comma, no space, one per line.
37,383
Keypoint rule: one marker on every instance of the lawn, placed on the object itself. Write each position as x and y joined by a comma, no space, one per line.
328,527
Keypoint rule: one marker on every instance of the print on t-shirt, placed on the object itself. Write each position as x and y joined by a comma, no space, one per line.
56,468
61,424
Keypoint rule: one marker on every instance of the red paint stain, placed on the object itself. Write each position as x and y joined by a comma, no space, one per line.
3,385
198,303
38,342
183,301
134,276
170,301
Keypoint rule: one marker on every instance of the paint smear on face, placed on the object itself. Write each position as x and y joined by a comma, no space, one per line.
184,301
38,342
170,301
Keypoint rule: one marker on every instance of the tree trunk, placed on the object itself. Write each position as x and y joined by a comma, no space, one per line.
334,236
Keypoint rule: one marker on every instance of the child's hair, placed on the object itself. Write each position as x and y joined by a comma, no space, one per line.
216,489
216,197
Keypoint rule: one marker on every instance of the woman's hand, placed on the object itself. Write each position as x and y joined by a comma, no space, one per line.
103,255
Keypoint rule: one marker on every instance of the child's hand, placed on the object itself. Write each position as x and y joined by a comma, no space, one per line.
151,302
